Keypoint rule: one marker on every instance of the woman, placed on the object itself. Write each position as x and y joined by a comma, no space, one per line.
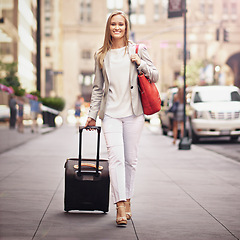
13,111
78,104
115,94
178,113
20,103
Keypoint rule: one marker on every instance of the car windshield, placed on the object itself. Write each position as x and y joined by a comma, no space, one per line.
216,96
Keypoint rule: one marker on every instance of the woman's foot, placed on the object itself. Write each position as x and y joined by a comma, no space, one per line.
121,219
128,209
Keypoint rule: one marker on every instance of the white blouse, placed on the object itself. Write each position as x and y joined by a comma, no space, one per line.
119,97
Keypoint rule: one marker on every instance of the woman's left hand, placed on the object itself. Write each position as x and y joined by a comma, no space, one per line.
135,58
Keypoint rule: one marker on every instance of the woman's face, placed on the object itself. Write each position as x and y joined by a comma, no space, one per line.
117,27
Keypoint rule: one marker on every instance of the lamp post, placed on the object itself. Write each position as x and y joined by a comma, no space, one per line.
38,58
129,13
185,143
132,35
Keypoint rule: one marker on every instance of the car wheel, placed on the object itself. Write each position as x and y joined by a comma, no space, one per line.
195,138
233,138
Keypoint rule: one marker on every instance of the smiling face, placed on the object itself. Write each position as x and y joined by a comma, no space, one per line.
117,27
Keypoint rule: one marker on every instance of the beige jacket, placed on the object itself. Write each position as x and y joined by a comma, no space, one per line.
101,82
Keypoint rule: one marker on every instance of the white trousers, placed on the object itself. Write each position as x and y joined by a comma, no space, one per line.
122,136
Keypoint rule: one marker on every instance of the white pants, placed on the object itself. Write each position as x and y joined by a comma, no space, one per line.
122,136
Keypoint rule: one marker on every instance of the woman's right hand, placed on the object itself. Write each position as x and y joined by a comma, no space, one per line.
90,122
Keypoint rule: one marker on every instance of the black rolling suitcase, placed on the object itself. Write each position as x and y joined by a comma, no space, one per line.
86,188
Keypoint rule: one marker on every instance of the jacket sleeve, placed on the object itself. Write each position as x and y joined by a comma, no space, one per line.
146,65
97,92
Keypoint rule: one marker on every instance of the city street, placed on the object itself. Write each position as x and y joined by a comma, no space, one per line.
64,63
179,194
222,146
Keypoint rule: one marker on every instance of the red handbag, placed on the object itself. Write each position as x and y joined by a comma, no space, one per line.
150,98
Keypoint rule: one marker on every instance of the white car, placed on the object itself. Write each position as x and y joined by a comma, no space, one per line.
215,112
4,113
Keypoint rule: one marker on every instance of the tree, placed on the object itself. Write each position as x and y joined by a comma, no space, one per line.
193,72
8,74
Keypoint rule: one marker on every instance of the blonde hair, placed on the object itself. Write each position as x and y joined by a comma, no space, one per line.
101,53
181,95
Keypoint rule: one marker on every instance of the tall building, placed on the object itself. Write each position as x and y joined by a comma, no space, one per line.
73,30
51,48
18,27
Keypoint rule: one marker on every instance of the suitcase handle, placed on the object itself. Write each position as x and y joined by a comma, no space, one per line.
81,128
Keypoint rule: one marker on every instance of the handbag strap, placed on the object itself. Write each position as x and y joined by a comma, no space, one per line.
137,47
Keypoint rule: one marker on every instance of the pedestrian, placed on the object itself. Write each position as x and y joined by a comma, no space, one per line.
13,111
78,104
178,114
35,109
116,97
20,103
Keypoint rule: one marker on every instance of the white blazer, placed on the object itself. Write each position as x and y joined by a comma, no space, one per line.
101,82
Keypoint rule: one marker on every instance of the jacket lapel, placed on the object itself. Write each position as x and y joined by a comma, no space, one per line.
106,64
133,68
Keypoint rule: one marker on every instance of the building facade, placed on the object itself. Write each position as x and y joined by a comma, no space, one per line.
18,26
51,48
77,31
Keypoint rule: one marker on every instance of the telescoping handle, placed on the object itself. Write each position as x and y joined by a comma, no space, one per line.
80,148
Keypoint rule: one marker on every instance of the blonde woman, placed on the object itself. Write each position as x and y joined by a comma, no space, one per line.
115,96
178,114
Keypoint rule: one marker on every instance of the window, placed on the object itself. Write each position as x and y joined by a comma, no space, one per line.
6,48
85,11
47,14
138,12
234,11
49,81
81,11
86,54
89,11
202,7
225,7
114,4
234,8
156,10
48,31
141,17
210,9
47,52
235,96
47,5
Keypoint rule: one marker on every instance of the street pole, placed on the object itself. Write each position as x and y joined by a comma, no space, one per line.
185,143
129,13
132,35
38,45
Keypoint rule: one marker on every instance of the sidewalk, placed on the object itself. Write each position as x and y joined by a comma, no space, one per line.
10,139
179,195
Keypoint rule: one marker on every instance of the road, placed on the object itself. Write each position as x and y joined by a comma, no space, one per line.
222,146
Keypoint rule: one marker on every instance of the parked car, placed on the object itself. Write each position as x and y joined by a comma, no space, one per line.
4,113
165,116
215,112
